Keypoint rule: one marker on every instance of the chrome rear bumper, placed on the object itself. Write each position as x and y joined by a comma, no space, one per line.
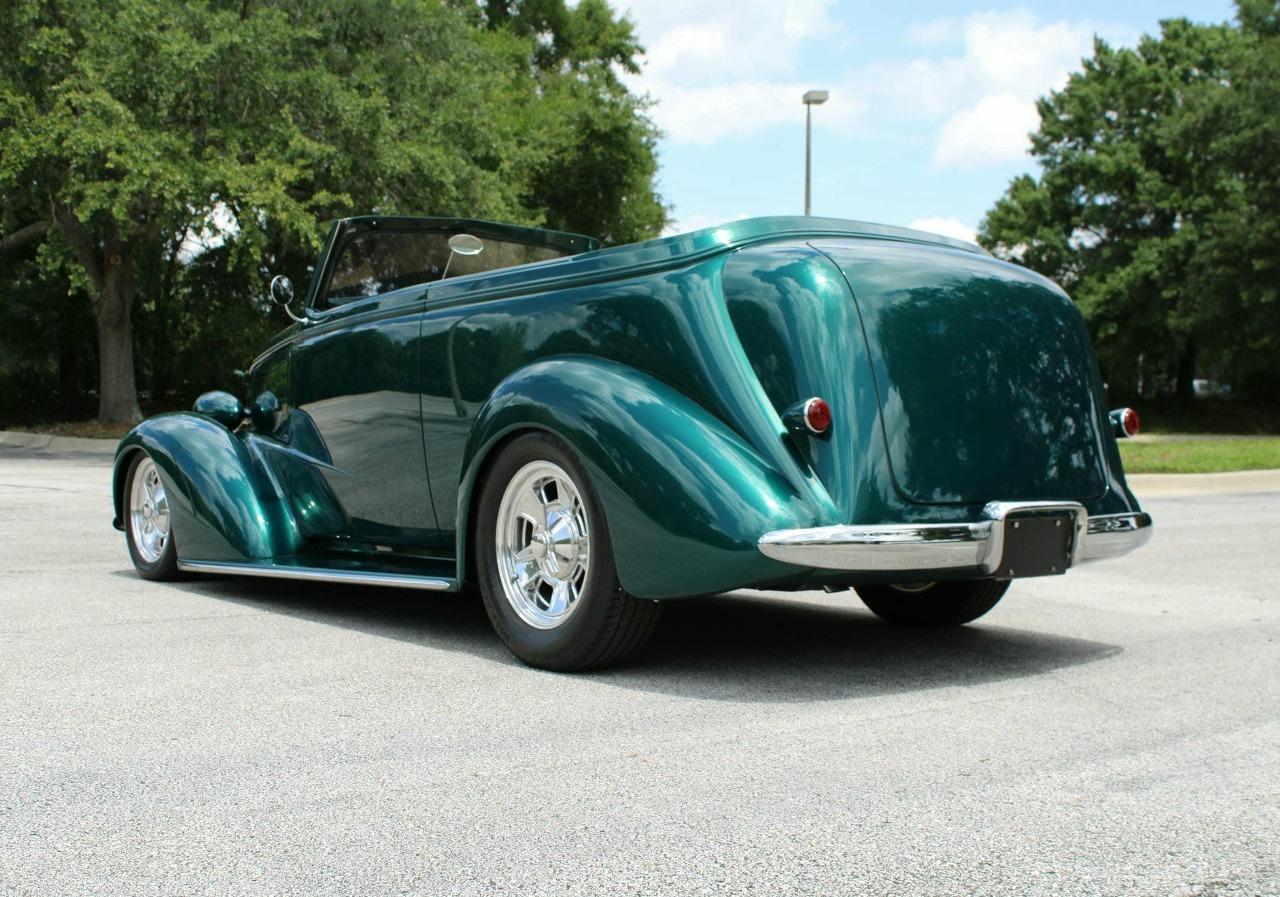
951,546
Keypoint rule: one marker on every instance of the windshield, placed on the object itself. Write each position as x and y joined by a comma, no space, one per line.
385,260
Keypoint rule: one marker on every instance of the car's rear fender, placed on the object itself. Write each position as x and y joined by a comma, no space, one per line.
686,498
224,502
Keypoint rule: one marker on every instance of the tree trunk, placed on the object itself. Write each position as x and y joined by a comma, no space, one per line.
68,351
108,262
1184,389
117,387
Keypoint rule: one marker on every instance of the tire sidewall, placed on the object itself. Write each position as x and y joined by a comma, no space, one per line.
946,604
544,647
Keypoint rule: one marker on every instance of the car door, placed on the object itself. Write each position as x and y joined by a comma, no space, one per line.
356,378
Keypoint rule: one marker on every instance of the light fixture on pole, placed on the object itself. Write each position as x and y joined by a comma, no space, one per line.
811,98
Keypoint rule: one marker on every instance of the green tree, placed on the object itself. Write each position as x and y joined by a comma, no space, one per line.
133,127
1239,128
1151,206
598,176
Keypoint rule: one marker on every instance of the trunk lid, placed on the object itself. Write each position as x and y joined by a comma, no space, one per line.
983,373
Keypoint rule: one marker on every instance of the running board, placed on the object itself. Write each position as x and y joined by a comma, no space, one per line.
323,574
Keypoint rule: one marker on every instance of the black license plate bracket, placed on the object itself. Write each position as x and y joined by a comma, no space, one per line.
1036,545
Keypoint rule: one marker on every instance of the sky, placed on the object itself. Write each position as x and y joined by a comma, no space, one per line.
930,102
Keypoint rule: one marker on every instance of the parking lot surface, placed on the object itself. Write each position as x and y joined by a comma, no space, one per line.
1113,731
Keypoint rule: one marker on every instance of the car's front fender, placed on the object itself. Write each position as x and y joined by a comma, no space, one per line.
222,503
686,498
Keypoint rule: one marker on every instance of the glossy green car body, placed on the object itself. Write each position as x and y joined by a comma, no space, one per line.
955,380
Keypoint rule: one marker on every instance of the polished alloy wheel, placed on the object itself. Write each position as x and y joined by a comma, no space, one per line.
148,512
543,543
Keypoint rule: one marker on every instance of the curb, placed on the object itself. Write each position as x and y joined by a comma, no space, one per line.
49,442
1156,485
1156,438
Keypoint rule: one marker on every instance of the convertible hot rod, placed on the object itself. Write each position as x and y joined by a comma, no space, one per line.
584,432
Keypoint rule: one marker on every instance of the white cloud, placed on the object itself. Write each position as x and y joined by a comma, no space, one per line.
1012,52
1009,60
688,223
702,115
933,33
721,70
948,227
994,130
703,41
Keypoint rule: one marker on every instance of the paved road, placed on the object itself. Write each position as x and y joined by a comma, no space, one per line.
1116,731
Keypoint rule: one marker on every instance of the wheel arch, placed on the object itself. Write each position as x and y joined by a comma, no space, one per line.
124,460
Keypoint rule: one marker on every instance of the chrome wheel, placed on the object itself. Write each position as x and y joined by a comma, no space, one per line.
912,588
543,544
148,512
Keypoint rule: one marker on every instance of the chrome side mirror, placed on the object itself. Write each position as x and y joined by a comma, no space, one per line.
282,295
462,244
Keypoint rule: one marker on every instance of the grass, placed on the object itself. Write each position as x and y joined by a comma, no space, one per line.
1200,455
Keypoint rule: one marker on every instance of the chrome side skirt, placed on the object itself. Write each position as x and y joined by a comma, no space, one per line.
979,545
321,574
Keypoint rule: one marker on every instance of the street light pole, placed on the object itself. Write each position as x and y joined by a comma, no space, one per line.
811,98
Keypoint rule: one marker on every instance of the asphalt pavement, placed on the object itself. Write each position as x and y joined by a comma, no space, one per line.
1112,732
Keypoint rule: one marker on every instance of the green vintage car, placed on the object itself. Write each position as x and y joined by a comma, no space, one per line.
585,432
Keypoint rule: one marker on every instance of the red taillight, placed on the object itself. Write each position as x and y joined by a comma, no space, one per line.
817,415
1129,420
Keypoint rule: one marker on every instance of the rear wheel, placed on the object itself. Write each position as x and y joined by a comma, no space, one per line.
148,525
934,604
545,562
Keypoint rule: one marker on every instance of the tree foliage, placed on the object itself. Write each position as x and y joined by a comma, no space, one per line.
162,157
1156,204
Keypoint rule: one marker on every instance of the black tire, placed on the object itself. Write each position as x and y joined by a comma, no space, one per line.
607,625
163,568
940,604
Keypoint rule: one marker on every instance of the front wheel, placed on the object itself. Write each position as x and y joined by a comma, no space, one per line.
934,604
148,525
545,562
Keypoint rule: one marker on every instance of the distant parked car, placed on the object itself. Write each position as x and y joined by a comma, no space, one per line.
1210,388
781,403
